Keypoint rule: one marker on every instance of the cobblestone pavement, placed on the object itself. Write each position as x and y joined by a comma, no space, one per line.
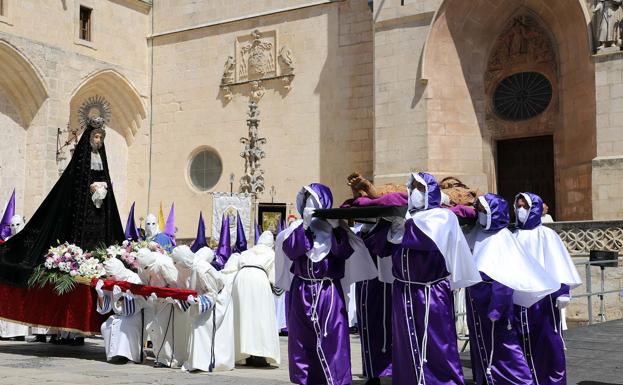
594,357
36,363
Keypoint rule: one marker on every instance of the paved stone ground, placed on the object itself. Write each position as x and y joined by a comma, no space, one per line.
594,357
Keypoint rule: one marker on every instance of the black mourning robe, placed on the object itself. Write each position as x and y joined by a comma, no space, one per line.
67,214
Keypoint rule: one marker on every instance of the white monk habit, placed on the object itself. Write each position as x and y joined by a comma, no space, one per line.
123,331
156,269
211,316
255,321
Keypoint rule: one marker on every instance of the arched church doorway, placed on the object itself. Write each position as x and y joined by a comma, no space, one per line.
522,114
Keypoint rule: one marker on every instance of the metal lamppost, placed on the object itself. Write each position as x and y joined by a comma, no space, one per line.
273,192
232,178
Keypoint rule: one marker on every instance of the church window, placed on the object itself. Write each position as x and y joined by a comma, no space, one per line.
85,23
522,96
205,169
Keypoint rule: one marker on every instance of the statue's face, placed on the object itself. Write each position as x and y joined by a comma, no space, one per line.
97,140
17,224
151,226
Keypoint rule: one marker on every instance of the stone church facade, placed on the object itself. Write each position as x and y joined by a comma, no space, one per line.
506,95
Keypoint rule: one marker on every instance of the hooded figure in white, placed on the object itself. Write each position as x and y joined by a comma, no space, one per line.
10,329
210,315
156,269
255,320
123,331
154,233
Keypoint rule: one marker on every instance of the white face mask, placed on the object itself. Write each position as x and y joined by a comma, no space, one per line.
482,219
417,199
522,215
311,203
17,224
151,226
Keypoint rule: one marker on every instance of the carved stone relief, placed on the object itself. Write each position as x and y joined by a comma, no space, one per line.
255,63
523,46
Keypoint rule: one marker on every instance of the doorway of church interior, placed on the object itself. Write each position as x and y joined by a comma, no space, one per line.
527,165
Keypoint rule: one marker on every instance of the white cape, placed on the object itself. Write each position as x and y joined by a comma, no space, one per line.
500,256
543,244
359,267
442,227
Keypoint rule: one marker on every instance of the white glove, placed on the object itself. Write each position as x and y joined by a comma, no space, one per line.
116,290
335,223
191,299
169,300
153,297
98,288
562,302
308,213
128,293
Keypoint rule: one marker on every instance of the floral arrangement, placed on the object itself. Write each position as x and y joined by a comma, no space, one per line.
67,264
64,265
128,250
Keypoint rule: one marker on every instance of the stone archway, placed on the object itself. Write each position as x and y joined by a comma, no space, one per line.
127,113
22,94
456,64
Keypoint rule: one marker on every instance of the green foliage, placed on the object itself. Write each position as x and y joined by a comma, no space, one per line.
62,282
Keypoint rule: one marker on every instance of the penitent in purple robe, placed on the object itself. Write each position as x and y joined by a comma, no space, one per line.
540,324
318,340
492,300
420,272
374,309
541,338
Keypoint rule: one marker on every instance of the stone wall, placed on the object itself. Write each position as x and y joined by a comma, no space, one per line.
40,48
400,99
318,130
607,167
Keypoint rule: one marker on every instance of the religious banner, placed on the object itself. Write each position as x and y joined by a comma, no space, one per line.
230,205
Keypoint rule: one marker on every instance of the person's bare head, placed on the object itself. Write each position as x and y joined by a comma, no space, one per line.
545,208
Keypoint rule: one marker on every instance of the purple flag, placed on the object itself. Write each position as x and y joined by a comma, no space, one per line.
131,231
224,245
169,228
241,238
257,233
5,229
200,240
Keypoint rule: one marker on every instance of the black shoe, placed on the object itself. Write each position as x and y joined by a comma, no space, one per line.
40,338
283,333
159,364
374,381
78,341
21,338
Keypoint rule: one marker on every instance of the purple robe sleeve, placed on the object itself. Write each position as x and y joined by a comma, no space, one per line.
298,243
562,292
414,238
501,302
340,245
